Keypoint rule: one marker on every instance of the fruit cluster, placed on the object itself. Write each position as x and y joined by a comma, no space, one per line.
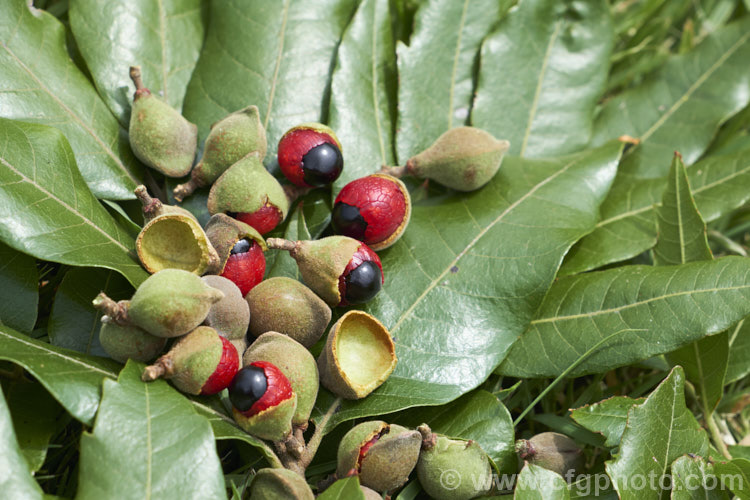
273,383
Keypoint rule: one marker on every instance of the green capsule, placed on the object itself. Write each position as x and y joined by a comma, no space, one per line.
279,484
129,342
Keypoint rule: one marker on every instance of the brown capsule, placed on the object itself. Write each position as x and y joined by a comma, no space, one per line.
287,306
358,357
230,315
553,451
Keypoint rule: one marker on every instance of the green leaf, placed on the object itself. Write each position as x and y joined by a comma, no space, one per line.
41,84
164,38
276,55
679,108
73,322
19,295
739,352
735,475
478,416
363,93
606,417
692,479
705,363
541,73
78,390
49,212
682,232
343,489
436,70
657,433
136,450
452,324
607,319
35,414
15,480
536,482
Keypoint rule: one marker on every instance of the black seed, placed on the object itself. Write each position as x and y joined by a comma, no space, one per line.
242,246
348,221
363,283
322,164
247,387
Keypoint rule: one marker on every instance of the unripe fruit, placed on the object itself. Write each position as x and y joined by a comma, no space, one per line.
159,136
370,494
241,346
169,303
383,455
231,315
173,239
240,250
373,209
310,155
552,451
279,484
230,139
466,461
295,362
129,342
202,362
247,192
358,357
463,158
339,269
287,306
263,402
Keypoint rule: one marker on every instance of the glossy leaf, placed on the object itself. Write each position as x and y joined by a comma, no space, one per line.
41,84
35,418
436,70
657,433
73,322
542,71
606,319
538,483
79,390
678,109
606,417
162,459
343,489
705,362
739,352
694,479
15,479
682,232
363,93
451,324
48,212
276,55
735,476
164,38
19,294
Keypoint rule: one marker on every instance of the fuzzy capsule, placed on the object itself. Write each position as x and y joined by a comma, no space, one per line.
383,455
279,484
250,194
159,135
552,451
341,270
465,461
240,251
266,413
202,362
287,306
229,140
374,210
463,158
129,342
169,303
231,315
358,357
295,362
310,155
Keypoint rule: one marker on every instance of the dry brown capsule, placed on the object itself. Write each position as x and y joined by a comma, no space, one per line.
287,306
358,357
383,455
